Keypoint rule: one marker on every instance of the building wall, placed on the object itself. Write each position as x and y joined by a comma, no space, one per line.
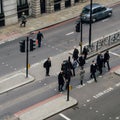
35,8
10,11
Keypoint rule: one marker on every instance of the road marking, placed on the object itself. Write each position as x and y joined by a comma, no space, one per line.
115,54
64,116
117,85
70,33
105,20
117,118
102,93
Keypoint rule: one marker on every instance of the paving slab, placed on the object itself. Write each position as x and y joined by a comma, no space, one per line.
46,108
13,81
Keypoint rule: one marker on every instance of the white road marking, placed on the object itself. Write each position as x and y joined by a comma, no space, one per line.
96,111
90,81
117,118
103,114
117,85
114,54
84,105
102,93
70,33
64,116
90,108
105,20
88,100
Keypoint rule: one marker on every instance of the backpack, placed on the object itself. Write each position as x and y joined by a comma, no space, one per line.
75,64
44,65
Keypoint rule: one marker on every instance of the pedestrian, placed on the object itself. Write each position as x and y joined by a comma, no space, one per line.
82,73
39,38
60,81
47,65
68,75
74,64
75,53
85,52
93,68
70,66
100,62
106,59
81,61
23,20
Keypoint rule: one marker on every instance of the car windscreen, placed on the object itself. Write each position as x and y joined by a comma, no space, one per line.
85,11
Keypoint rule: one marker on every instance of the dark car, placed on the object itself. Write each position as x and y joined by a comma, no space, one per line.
98,12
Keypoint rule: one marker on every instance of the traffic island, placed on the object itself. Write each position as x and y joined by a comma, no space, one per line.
13,81
46,108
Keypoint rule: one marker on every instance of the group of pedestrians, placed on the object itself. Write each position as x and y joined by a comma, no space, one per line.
101,61
68,67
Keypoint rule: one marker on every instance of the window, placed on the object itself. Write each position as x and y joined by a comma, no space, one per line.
21,2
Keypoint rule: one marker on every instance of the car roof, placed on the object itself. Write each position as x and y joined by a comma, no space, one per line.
94,5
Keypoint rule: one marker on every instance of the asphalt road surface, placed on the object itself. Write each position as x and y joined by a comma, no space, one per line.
28,95
57,39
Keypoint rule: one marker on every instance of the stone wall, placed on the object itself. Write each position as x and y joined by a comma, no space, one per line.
10,11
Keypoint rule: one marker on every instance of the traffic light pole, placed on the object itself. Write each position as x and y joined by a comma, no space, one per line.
81,32
90,23
27,57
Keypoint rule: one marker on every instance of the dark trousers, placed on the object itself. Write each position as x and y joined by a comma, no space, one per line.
73,72
39,43
23,23
93,76
100,69
47,71
60,86
107,64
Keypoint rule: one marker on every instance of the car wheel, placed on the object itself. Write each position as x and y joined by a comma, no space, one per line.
93,20
110,13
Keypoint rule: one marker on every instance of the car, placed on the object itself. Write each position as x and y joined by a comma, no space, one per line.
98,12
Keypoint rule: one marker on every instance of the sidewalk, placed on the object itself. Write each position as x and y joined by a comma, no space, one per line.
47,108
12,32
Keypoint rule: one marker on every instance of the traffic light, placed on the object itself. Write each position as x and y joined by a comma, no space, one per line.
77,27
32,44
22,46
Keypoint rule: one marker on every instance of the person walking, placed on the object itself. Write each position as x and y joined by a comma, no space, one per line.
106,59
81,61
93,68
60,81
85,52
47,65
23,20
68,75
39,38
82,73
75,54
70,66
100,62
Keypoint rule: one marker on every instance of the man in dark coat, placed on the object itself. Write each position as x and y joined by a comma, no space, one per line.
47,65
60,81
68,75
85,52
106,59
93,69
75,53
39,38
100,62
81,61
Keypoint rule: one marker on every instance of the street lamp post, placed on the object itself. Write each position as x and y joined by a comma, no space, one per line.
90,23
